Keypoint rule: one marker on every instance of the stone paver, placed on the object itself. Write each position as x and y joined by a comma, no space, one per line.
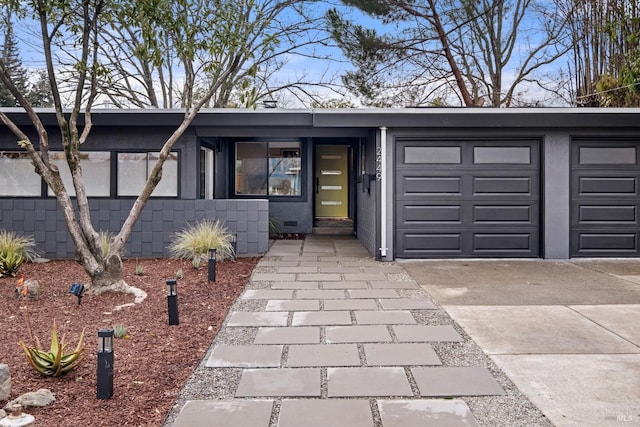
292,305
373,293
320,294
394,285
362,382
325,413
384,317
456,381
351,284
245,356
295,285
249,318
273,277
305,269
425,333
267,294
286,382
426,412
288,335
319,277
234,413
321,318
323,355
365,276
407,304
350,304
345,334
400,354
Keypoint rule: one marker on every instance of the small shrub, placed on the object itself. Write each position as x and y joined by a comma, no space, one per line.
196,262
275,226
195,241
179,274
54,362
105,239
14,250
139,270
120,331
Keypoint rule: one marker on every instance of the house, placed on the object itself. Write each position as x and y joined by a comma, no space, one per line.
410,183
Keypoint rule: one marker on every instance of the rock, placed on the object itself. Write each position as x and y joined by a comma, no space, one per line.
42,397
2,414
33,290
5,382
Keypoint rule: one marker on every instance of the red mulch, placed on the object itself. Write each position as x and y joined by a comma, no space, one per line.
150,367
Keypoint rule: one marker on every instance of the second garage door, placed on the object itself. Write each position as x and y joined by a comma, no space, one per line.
467,198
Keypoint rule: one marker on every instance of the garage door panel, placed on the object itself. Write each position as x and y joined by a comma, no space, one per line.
488,214
598,214
418,214
607,243
499,242
416,186
502,185
484,203
599,185
604,198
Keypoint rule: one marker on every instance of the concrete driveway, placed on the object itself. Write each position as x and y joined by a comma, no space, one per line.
567,333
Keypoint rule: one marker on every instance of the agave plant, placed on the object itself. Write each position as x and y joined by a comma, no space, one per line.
54,362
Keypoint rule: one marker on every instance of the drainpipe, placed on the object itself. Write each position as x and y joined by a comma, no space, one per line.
383,191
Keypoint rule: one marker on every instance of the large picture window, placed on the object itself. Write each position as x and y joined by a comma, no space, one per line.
134,169
96,169
268,168
17,175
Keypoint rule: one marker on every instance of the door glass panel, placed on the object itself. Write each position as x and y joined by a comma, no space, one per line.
502,155
432,155
607,155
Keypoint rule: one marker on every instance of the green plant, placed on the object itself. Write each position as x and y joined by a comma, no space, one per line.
195,241
196,262
14,250
139,270
54,362
105,239
120,331
179,274
275,227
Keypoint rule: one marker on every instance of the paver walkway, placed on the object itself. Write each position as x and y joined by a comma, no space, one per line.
336,339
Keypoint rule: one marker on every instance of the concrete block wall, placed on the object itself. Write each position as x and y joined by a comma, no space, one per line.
151,235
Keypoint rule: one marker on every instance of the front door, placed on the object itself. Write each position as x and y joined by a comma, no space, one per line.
332,180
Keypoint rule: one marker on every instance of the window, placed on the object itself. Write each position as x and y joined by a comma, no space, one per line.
206,173
17,175
96,168
268,168
134,169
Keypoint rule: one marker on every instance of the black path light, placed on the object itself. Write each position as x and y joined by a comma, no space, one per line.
105,364
234,245
172,301
212,265
77,289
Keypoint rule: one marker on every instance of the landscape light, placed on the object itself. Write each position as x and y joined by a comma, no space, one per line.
105,364
212,265
172,301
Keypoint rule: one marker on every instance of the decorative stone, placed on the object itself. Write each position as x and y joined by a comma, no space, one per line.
42,397
5,382
2,414
33,290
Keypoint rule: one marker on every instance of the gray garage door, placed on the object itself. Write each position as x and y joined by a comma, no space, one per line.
604,198
467,198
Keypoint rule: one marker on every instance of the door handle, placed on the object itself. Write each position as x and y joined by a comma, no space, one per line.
317,185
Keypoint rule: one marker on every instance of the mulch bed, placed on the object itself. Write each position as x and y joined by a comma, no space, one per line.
150,366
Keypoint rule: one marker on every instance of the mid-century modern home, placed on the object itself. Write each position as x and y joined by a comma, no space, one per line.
409,183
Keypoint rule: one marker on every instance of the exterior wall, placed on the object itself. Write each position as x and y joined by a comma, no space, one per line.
556,196
152,233
367,198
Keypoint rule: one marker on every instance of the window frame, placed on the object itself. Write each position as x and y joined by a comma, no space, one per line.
284,198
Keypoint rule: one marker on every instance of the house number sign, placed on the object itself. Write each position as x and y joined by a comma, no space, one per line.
379,164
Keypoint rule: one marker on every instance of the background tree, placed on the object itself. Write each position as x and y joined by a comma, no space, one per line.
13,64
70,37
472,49
605,50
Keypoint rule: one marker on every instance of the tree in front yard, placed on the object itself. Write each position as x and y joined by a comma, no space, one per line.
212,41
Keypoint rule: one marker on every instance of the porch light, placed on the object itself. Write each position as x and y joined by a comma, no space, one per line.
212,265
77,289
172,301
105,364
